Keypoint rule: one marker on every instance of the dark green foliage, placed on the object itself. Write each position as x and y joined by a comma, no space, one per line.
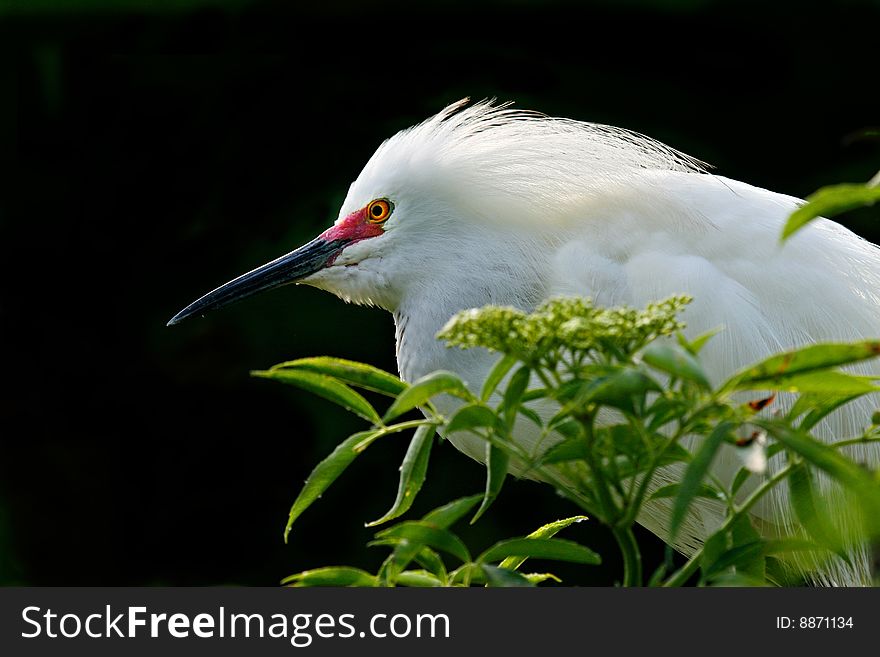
585,360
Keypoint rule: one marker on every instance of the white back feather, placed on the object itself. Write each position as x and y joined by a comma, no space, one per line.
534,206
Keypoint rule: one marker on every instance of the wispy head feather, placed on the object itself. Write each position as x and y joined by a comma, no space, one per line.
494,153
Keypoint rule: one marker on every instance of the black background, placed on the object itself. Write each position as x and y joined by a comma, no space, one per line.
149,155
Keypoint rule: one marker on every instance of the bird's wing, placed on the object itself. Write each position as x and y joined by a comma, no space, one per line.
718,240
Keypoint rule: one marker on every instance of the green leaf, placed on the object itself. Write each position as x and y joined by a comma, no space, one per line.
442,517
448,514
672,490
694,475
545,531
567,427
327,471
817,406
619,389
354,373
696,345
537,578
741,476
497,462
326,387
677,362
423,533
431,561
823,382
332,576
799,361
674,453
514,392
425,388
501,577
829,202
412,473
472,416
748,552
537,393
810,511
541,548
572,449
531,415
498,372
742,531
417,579
713,548
858,480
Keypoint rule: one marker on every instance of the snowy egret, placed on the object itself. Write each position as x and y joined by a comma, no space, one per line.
486,204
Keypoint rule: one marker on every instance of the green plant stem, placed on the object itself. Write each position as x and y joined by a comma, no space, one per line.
679,577
861,440
623,534
608,508
632,556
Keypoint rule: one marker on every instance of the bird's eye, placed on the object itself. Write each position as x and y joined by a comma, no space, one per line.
379,210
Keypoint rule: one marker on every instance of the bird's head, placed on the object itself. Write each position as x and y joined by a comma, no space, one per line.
384,239
470,194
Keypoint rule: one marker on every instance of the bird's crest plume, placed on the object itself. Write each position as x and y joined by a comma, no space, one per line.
492,152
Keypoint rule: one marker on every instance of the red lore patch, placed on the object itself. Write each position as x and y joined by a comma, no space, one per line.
354,227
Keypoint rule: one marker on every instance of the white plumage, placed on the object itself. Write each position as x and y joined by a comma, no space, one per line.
494,205
500,206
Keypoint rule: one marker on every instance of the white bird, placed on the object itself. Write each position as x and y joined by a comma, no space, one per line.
483,204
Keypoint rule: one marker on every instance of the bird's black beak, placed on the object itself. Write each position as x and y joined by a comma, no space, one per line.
290,268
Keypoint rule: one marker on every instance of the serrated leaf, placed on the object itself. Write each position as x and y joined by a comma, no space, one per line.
501,577
828,202
748,552
677,362
422,533
537,393
326,387
538,578
742,531
442,517
425,388
810,511
417,579
696,345
496,374
858,480
800,361
618,389
531,415
823,382
431,561
741,476
448,514
516,387
331,576
567,427
572,449
714,547
472,416
497,462
545,531
412,473
817,406
672,490
556,549
352,372
694,475
327,471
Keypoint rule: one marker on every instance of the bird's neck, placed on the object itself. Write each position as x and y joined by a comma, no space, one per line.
422,313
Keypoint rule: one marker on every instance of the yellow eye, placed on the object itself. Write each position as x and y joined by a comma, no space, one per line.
379,210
